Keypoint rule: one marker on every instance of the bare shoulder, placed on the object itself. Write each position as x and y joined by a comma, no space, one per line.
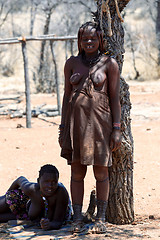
30,188
109,61
111,64
72,60
62,191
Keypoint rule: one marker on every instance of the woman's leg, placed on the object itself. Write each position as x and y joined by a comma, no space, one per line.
78,172
5,212
102,182
102,190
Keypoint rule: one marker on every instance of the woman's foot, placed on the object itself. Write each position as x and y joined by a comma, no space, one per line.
98,227
77,227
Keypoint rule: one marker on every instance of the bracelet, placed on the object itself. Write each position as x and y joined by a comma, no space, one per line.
117,124
61,126
116,128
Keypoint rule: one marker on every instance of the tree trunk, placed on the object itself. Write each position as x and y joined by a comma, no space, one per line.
133,57
45,32
33,12
158,29
120,205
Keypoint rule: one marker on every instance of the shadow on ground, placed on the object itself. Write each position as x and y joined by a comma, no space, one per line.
142,228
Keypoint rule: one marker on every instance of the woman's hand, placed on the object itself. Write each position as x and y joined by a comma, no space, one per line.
115,140
60,138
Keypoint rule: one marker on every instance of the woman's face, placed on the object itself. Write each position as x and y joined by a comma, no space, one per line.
90,41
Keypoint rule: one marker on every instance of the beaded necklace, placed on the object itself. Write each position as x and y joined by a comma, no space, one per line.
91,62
45,207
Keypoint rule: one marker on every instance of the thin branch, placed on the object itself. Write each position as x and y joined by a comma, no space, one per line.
150,11
1,9
78,2
5,17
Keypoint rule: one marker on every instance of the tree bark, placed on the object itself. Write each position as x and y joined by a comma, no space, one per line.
120,206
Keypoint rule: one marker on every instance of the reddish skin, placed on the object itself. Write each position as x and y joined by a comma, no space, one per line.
47,187
109,70
106,69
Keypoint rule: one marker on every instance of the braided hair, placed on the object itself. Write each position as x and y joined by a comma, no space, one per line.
96,26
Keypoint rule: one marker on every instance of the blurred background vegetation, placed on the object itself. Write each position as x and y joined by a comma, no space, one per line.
63,18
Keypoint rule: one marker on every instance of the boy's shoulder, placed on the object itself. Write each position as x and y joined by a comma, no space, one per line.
61,186
62,189
34,187
30,189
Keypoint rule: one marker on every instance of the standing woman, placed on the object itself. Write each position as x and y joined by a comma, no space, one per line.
90,122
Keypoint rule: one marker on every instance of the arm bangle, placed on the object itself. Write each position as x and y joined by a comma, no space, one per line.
117,128
117,124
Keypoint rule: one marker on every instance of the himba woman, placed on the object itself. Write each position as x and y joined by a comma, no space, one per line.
90,122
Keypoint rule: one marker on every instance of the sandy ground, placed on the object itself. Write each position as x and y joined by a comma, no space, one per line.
23,151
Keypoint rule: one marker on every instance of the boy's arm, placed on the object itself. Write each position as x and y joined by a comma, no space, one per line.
26,186
47,225
60,211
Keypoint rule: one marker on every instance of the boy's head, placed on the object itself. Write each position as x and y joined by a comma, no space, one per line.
48,168
48,180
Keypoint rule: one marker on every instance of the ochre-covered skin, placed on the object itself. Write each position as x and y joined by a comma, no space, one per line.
91,107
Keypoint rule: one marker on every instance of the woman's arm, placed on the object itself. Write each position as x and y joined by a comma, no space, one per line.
67,92
114,88
67,87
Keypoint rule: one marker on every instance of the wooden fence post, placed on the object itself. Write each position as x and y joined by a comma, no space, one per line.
23,41
27,84
56,79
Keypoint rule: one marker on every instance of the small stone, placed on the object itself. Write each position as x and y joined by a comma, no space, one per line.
20,125
151,217
134,223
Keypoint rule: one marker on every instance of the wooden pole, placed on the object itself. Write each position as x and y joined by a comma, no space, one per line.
27,85
71,46
23,41
38,38
56,80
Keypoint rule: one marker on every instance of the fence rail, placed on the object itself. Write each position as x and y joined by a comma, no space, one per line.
37,38
22,40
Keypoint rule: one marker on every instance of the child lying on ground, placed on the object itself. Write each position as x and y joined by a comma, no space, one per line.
46,201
